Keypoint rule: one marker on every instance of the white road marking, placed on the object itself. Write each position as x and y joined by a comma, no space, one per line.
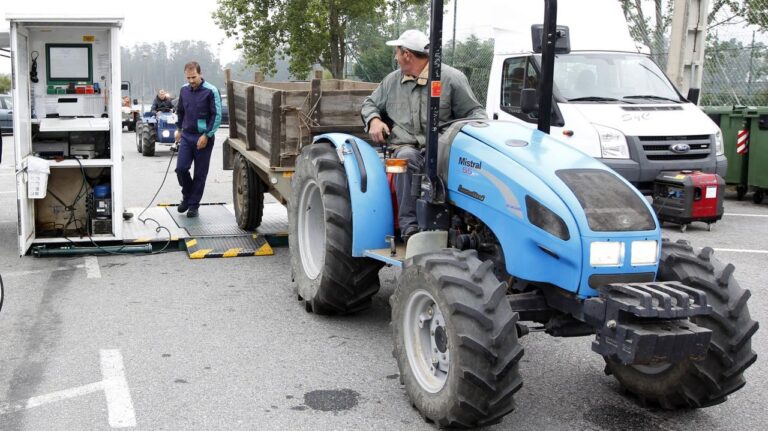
6,408
119,404
8,192
741,250
746,215
114,385
63,395
40,271
92,267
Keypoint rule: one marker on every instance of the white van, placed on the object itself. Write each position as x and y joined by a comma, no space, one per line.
609,100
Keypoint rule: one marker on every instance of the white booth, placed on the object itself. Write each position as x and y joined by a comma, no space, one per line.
66,90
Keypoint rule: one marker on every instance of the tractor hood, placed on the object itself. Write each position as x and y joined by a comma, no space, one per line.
546,200
538,152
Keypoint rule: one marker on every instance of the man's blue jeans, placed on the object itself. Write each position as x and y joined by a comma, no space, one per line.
192,187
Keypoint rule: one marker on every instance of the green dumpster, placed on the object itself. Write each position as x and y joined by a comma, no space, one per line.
730,119
757,177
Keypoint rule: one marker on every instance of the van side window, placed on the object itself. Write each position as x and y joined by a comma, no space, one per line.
517,73
512,81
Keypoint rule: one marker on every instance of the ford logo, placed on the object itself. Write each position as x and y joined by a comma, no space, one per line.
680,148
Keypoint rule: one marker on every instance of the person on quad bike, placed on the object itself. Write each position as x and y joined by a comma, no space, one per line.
402,96
162,102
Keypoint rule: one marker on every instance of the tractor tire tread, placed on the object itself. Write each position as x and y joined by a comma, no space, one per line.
709,381
346,284
480,395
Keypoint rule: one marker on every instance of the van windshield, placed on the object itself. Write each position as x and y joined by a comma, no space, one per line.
603,77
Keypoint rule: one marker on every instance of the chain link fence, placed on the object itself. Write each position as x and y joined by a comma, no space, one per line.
736,50
735,58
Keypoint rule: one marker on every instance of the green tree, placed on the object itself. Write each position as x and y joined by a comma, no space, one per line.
5,83
307,31
373,58
473,57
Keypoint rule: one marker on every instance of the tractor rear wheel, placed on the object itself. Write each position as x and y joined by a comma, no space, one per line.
147,141
693,384
455,338
247,193
328,278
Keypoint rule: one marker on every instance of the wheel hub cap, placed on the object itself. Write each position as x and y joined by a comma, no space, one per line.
426,341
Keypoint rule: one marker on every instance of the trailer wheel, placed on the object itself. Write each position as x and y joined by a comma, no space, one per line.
147,141
693,384
131,126
757,196
455,339
247,194
328,278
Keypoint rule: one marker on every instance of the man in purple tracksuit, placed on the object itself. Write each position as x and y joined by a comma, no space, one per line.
199,113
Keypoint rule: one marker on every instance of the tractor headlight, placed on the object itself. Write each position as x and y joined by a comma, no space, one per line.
719,147
605,253
613,144
644,252
166,133
545,219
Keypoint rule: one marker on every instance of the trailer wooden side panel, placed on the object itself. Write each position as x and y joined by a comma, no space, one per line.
277,119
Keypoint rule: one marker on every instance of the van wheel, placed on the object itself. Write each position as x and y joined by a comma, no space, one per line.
247,194
328,278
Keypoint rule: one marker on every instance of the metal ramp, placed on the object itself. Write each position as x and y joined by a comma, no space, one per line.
214,233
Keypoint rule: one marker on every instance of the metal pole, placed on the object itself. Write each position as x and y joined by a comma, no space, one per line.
433,89
751,58
453,39
549,37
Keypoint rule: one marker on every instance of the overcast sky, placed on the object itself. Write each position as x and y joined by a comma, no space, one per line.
145,21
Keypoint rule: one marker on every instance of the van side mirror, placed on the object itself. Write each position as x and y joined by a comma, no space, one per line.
562,43
124,86
693,95
529,100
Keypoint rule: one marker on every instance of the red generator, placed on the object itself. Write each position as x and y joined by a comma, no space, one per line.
687,196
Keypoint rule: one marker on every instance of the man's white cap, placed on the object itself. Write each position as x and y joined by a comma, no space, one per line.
413,40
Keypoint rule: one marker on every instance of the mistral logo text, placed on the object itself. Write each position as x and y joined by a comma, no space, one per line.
470,163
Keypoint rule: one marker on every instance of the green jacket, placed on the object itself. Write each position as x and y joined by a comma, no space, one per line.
405,103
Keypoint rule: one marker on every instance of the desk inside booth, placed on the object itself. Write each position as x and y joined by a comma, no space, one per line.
83,138
74,124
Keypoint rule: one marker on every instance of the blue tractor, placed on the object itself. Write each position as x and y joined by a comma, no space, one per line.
155,128
515,227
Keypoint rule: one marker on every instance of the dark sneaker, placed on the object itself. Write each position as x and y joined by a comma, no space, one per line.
192,213
183,206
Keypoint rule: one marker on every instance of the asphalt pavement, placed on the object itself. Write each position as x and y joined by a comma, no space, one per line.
163,342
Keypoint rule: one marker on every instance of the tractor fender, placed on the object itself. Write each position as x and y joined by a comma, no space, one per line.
369,192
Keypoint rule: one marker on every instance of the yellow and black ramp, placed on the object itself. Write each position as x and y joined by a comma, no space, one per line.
231,246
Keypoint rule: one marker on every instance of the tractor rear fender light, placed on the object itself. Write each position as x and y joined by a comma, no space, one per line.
396,166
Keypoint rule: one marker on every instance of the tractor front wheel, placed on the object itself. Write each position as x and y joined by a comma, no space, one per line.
693,384
148,141
455,339
139,132
328,278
